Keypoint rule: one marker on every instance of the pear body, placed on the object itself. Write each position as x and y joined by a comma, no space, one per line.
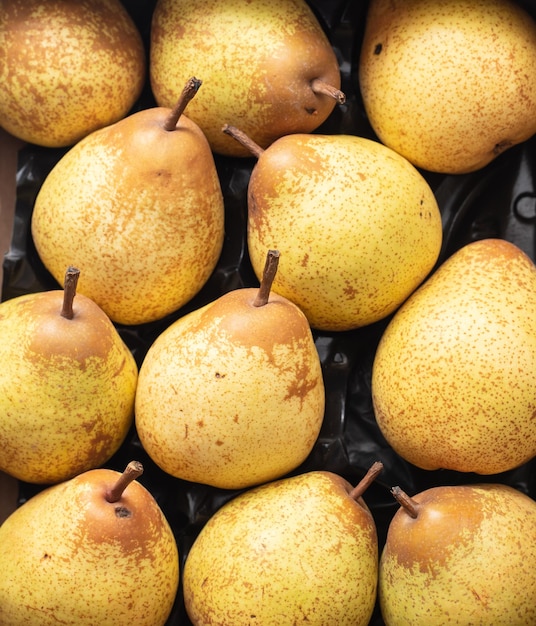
67,68
232,395
449,85
468,558
69,556
67,397
298,550
256,60
452,378
357,226
139,210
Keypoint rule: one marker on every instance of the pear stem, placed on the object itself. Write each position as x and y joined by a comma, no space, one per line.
242,138
69,292
189,91
322,88
132,471
405,501
268,275
367,480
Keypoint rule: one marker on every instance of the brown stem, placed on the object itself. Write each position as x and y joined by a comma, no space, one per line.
367,480
189,91
268,275
132,471
322,88
242,138
69,291
405,501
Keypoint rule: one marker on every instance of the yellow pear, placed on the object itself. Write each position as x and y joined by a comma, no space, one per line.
67,68
67,388
96,549
300,550
453,375
357,225
267,67
232,394
138,207
450,85
461,555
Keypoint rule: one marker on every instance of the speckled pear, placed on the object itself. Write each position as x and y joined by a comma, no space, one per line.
67,68
300,550
267,66
463,554
67,386
453,375
96,549
357,225
138,207
450,85
232,394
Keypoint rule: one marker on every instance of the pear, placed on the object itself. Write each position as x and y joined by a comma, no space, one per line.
96,549
357,225
450,85
302,549
67,387
267,67
138,207
232,394
453,374
67,68
463,554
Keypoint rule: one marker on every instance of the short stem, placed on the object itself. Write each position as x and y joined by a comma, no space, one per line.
242,138
405,501
323,88
367,480
132,471
69,291
268,275
189,91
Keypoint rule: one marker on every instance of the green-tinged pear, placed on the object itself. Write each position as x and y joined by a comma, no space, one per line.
68,386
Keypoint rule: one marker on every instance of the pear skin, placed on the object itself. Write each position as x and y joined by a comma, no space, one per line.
68,68
258,60
139,209
297,550
69,555
67,396
467,556
357,225
450,85
232,394
453,375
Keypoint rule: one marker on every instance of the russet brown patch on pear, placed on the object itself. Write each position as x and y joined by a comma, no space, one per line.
443,525
89,335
